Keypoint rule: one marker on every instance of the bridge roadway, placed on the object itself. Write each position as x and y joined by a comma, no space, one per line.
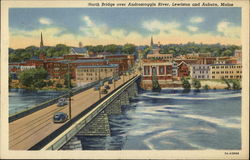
29,130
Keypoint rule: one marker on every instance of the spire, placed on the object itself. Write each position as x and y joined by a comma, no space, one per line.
41,42
151,43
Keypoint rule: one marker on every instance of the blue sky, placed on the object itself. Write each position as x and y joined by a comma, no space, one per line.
94,26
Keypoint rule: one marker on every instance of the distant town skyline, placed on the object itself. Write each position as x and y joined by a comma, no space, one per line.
93,26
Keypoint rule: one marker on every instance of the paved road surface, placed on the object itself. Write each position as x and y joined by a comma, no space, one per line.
29,130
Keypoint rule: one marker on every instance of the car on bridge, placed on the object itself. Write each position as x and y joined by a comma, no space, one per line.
62,102
110,81
107,87
97,87
60,117
104,91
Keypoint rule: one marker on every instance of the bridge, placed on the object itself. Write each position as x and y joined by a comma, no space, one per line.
90,113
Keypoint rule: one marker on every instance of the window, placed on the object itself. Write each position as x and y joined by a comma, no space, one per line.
146,70
161,70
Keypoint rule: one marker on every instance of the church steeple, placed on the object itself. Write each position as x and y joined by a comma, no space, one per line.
151,43
41,42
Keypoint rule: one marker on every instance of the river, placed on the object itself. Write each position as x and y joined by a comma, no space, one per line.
172,120
22,99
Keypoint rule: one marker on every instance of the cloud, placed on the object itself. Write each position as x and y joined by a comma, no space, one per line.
192,28
94,33
196,19
228,29
156,25
88,21
45,21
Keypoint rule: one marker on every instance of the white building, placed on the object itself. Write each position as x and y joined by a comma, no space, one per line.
200,71
87,74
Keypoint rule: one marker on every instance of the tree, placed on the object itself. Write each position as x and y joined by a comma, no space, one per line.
30,77
185,84
196,84
67,80
156,86
227,83
206,87
58,85
128,48
236,84
227,52
40,84
111,48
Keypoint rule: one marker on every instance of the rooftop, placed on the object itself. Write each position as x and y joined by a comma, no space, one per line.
100,66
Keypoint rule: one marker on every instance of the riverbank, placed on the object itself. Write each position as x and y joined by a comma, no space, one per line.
212,84
14,84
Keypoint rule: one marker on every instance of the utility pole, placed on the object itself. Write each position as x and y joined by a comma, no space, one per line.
114,79
99,84
69,92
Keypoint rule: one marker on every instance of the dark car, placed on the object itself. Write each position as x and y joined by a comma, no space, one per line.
110,81
60,117
117,78
97,87
104,91
101,83
106,87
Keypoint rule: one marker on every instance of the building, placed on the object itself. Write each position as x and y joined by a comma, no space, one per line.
168,57
124,61
86,74
161,68
226,71
58,69
200,71
183,69
174,69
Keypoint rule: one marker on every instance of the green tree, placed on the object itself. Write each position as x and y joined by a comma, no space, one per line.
29,77
40,84
67,80
155,84
196,84
206,87
227,52
111,48
236,84
227,83
185,84
128,48
58,85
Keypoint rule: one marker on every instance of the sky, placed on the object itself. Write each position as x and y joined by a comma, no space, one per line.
94,26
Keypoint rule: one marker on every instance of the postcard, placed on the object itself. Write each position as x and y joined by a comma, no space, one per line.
125,79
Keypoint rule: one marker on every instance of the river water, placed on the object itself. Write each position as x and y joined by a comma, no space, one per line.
172,120
22,99
169,120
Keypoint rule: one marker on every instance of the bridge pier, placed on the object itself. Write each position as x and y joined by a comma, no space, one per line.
73,144
114,107
98,126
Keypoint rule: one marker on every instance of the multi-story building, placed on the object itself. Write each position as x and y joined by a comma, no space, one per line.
175,69
183,69
168,57
58,69
200,71
125,61
86,74
226,71
161,68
